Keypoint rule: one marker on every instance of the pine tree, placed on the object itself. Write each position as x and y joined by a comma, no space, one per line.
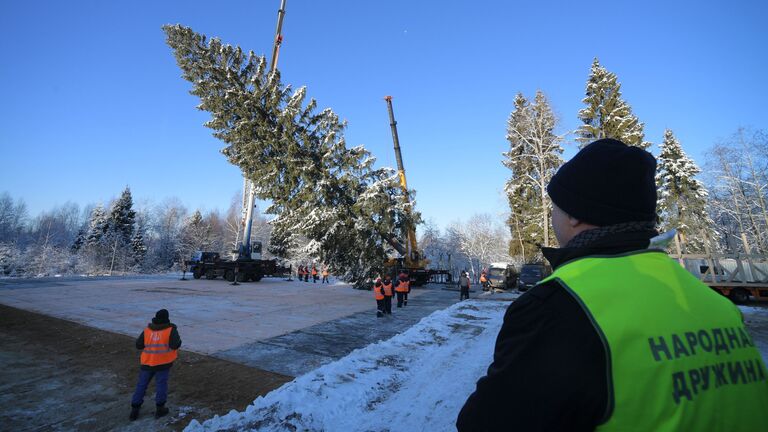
79,240
607,115
682,198
533,158
97,227
295,156
138,245
122,216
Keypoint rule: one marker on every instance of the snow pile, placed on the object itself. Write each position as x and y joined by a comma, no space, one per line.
756,320
417,380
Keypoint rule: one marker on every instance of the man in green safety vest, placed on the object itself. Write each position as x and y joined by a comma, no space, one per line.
619,337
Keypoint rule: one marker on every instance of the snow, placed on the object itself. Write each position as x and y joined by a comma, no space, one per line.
756,320
432,367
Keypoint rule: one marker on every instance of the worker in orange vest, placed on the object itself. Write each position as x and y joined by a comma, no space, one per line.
314,274
159,343
484,281
464,286
378,294
325,276
388,293
300,272
402,289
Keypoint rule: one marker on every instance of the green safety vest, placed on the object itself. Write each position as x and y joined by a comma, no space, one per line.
678,355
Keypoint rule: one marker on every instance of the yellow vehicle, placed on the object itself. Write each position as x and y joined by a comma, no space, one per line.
411,258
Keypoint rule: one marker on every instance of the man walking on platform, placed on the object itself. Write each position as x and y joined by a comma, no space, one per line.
378,294
159,343
402,289
325,276
464,286
388,292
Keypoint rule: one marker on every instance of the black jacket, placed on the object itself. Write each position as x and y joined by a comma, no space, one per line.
549,365
174,342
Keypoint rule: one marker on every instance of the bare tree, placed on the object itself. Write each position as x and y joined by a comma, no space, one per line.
482,240
739,181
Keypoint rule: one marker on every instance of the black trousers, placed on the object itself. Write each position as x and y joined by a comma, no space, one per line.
379,307
464,293
388,305
325,279
402,298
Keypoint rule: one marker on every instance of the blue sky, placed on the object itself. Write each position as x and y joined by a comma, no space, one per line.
93,100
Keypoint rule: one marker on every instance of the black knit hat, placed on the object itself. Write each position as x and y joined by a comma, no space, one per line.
161,317
607,183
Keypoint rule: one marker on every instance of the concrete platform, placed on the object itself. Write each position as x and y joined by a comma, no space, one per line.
285,327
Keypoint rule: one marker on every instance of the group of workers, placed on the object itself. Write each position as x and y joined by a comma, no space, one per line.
384,289
304,272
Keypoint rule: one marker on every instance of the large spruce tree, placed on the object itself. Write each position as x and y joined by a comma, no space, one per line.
533,157
295,155
122,216
682,198
606,114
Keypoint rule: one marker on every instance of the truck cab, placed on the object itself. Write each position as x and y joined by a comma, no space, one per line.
502,276
530,275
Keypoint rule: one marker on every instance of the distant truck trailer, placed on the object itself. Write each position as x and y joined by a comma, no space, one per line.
736,276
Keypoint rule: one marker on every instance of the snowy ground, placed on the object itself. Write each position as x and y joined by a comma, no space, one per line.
433,366
756,320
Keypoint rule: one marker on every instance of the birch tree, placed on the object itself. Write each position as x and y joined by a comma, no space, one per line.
738,169
533,158
482,240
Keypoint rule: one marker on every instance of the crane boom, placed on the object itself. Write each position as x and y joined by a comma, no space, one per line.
244,250
410,232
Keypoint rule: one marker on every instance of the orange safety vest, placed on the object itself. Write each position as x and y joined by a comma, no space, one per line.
157,348
314,271
387,289
483,278
403,286
325,272
377,292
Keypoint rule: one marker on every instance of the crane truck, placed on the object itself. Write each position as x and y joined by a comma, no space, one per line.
247,263
411,258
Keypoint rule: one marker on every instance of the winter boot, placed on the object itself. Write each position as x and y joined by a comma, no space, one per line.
160,410
134,412
379,314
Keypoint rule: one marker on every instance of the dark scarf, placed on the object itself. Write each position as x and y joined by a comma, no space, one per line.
607,240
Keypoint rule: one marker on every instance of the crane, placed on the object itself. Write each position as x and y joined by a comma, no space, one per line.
413,259
245,249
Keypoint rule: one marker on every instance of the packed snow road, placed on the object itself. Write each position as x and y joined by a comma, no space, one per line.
415,381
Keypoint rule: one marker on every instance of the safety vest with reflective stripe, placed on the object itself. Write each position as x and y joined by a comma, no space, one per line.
402,286
377,292
678,355
157,348
387,289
